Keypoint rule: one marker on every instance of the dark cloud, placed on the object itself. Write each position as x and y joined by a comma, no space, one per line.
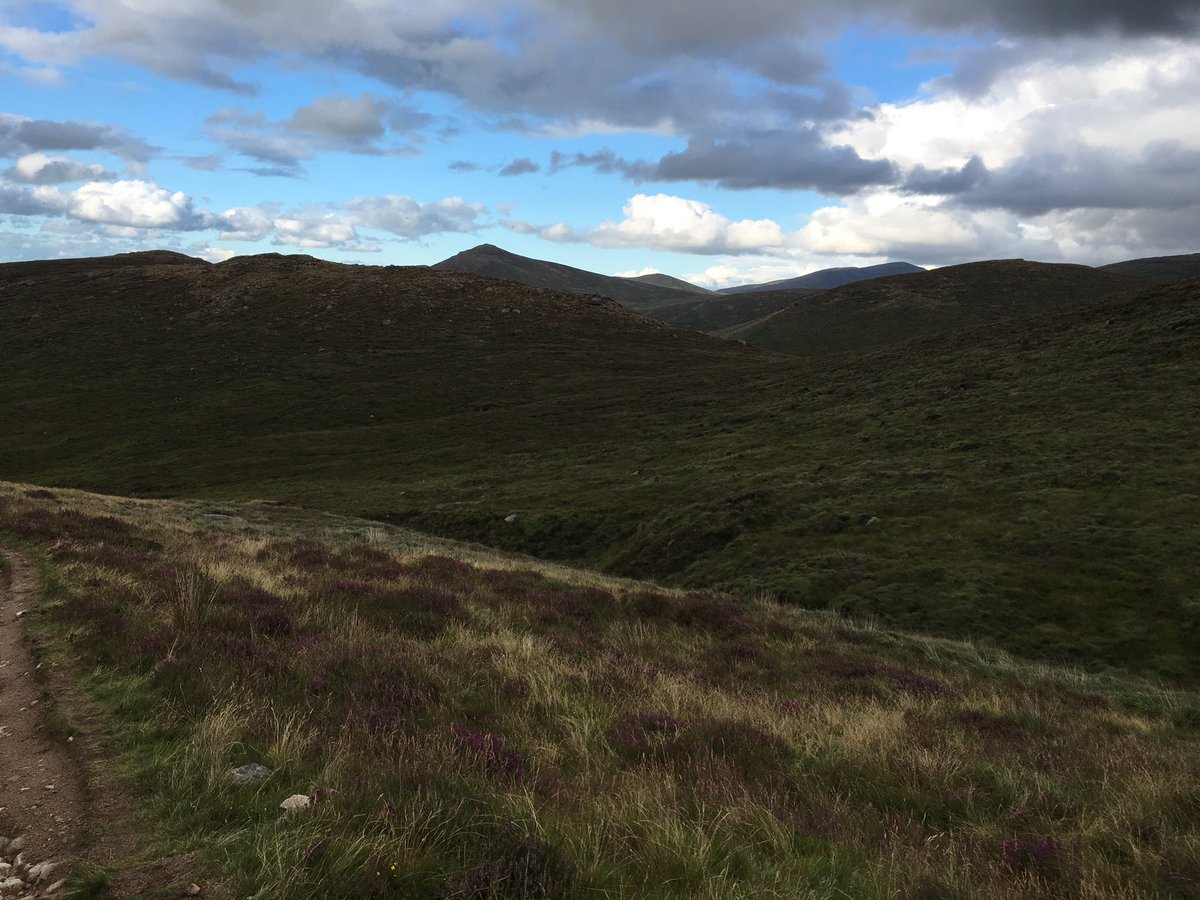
946,181
1164,176
19,136
523,166
798,160
782,160
603,162
463,165
337,123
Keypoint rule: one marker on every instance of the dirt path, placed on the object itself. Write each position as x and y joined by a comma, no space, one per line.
41,792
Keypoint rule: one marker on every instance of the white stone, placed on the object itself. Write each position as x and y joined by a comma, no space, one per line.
251,773
296,802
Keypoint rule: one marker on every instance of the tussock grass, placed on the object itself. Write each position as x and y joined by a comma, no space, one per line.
472,725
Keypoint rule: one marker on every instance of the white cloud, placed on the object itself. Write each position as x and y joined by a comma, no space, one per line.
136,204
314,232
666,222
38,168
410,219
1144,93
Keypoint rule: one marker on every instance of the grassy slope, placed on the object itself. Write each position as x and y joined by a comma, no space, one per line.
1036,482
717,313
1159,268
887,311
506,729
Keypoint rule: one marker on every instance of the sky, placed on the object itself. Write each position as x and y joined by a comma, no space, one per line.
720,142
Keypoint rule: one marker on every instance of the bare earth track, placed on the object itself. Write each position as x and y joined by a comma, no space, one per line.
41,794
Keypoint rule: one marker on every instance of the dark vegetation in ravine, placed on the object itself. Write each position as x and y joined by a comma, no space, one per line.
1032,482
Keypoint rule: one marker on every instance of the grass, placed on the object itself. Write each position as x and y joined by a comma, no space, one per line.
1033,484
471,724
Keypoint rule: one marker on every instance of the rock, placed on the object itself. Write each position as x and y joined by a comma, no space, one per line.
41,872
11,884
192,890
21,613
55,888
223,519
510,518
251,773
869,520
296,802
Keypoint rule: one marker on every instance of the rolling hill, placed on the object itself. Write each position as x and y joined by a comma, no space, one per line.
891,310
1032,482
1162,269
828,278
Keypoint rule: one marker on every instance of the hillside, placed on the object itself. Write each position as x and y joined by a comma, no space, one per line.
452,723
660,280
829,278
1161,269
493,262
716,314
890,310
1033,482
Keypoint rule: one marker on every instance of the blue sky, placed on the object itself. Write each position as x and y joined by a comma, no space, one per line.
719,143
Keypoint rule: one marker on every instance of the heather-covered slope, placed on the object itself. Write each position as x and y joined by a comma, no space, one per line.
454,723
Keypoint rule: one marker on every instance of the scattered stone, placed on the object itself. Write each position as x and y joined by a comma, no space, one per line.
56,887
868,520
11,884
192,890
251,773
41,872
296,802
223,519
21,613
16,844
510,518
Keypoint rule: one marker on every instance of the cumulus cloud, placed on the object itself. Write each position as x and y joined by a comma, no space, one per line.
409,219
664,222
135,204
38,168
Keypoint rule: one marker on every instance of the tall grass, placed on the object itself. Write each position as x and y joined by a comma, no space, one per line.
483,729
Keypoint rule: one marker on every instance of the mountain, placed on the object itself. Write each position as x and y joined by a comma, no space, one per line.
890,310
1031,481
494,262
1159,268
666,281
829,278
